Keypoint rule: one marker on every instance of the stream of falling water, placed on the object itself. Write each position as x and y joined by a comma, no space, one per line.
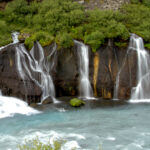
85,88
14,38
116,88
141,91
35,62
28,64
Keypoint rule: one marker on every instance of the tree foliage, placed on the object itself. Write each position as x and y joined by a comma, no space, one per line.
64,20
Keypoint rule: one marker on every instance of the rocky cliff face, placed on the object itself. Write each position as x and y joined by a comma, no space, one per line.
11,82
104,67
103,4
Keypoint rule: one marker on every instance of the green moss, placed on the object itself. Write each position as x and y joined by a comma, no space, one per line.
75,102
121,44
147,45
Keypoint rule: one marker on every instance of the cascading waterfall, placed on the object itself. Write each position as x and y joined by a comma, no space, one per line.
141,91
28,64
43,66
84,83
14,38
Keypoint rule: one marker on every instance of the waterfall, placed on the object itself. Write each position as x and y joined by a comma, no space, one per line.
141,91
116,88
29,64
14,38
84,83
43,66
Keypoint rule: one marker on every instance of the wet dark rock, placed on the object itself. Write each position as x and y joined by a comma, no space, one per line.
47,100
104,66
11,83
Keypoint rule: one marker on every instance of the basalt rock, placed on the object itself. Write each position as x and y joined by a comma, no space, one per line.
11,84
66,79
104,66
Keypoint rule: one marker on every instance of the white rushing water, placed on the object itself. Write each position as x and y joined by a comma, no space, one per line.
0,93
10,106
116,88
14,38
84,83
43,66
141,91
28,64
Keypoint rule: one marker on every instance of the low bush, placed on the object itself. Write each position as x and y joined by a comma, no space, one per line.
36,144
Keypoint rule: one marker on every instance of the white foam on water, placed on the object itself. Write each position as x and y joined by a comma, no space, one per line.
70,145
10,106
110,138
52,136
139,101
61,109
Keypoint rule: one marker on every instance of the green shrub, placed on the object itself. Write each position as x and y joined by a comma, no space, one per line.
146,2
43,37
36,144
136,20
121,44
95,40
65,20
147,45
5,33
29,42
78,33
64,40
135,1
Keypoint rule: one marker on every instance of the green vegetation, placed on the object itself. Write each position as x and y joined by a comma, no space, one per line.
75,102
144,2
64,20
36,144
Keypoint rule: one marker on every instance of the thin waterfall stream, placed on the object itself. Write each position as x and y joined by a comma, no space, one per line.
85,88
141,91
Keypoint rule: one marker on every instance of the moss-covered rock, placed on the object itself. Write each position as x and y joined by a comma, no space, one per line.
75,102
